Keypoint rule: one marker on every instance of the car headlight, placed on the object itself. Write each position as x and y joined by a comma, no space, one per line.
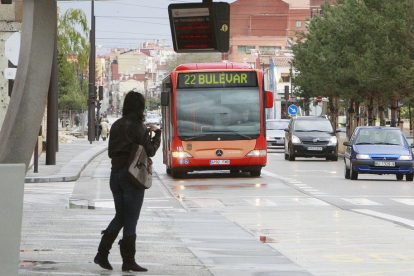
406,157
268,137
333,141
181,154
363,156
257,153
295,140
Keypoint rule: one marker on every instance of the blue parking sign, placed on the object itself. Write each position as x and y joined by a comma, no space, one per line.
293,109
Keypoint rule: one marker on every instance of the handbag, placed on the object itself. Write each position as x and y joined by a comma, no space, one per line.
139,168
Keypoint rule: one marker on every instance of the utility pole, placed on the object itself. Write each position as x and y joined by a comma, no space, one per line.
92,89
52,135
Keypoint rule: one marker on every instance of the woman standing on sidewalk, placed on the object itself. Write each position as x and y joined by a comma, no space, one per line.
128,198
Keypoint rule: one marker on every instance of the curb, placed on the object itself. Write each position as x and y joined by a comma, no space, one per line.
72,170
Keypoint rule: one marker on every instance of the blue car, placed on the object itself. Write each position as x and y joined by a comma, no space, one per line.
378,150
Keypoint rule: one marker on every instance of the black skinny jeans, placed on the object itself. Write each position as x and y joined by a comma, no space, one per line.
128,202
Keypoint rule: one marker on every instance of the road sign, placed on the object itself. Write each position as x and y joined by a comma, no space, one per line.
10,73
293,109
12,48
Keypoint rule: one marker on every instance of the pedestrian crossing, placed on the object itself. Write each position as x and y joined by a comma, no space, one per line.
266,202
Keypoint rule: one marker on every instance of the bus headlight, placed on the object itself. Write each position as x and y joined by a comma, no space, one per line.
181,154
406,157
295,139
257,153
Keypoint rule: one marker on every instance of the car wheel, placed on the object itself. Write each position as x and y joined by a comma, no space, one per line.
399,176
353,174
409,176
291,156
255,173
347,173
334,158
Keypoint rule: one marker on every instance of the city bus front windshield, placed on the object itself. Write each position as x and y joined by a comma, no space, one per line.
218,114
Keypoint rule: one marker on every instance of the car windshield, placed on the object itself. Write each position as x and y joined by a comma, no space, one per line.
225,113
313,125
274,125
379,137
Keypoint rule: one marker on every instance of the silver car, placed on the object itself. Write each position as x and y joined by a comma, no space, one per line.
275,132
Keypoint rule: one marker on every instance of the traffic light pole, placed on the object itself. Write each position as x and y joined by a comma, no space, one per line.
92,90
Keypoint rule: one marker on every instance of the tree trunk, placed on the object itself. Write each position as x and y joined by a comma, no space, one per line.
370,109
381,114
351,112
357,115
394,113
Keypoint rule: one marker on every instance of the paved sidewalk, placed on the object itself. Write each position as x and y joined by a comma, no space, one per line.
71,160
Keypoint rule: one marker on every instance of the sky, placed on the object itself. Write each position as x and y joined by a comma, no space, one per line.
128,23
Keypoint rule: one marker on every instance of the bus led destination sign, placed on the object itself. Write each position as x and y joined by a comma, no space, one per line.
200,27
217,79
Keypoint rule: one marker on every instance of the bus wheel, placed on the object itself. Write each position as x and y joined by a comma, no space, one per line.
168,171
256,173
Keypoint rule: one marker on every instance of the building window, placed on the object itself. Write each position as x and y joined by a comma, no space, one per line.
298,24
244,49
269,48
285,77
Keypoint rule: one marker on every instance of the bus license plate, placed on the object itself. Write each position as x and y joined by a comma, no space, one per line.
315,148
219,162
384,164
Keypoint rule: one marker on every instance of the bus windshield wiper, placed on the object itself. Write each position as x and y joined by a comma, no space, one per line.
194,137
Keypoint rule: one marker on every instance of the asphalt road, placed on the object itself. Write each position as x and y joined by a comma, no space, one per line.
309,212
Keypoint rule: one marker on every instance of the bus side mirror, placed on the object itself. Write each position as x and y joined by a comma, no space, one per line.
269,99
165,99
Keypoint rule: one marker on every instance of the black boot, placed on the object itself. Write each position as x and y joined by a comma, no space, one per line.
107,240
127,247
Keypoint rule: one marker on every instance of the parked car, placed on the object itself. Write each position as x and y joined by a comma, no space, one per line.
153,119
309,136
275,132
378,150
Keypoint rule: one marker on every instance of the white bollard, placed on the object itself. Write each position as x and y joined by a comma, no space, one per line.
11,214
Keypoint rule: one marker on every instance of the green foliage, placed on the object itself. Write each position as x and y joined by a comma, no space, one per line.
359,49
72,41
153,103
70,94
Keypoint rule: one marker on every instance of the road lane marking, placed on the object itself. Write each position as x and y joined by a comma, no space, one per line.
311,201
207,202
408,201
260,202
407,222
361,201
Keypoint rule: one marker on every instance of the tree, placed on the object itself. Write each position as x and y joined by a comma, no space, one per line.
358,51
73,56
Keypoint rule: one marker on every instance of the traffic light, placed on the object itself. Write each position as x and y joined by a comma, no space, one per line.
159,106
100,92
